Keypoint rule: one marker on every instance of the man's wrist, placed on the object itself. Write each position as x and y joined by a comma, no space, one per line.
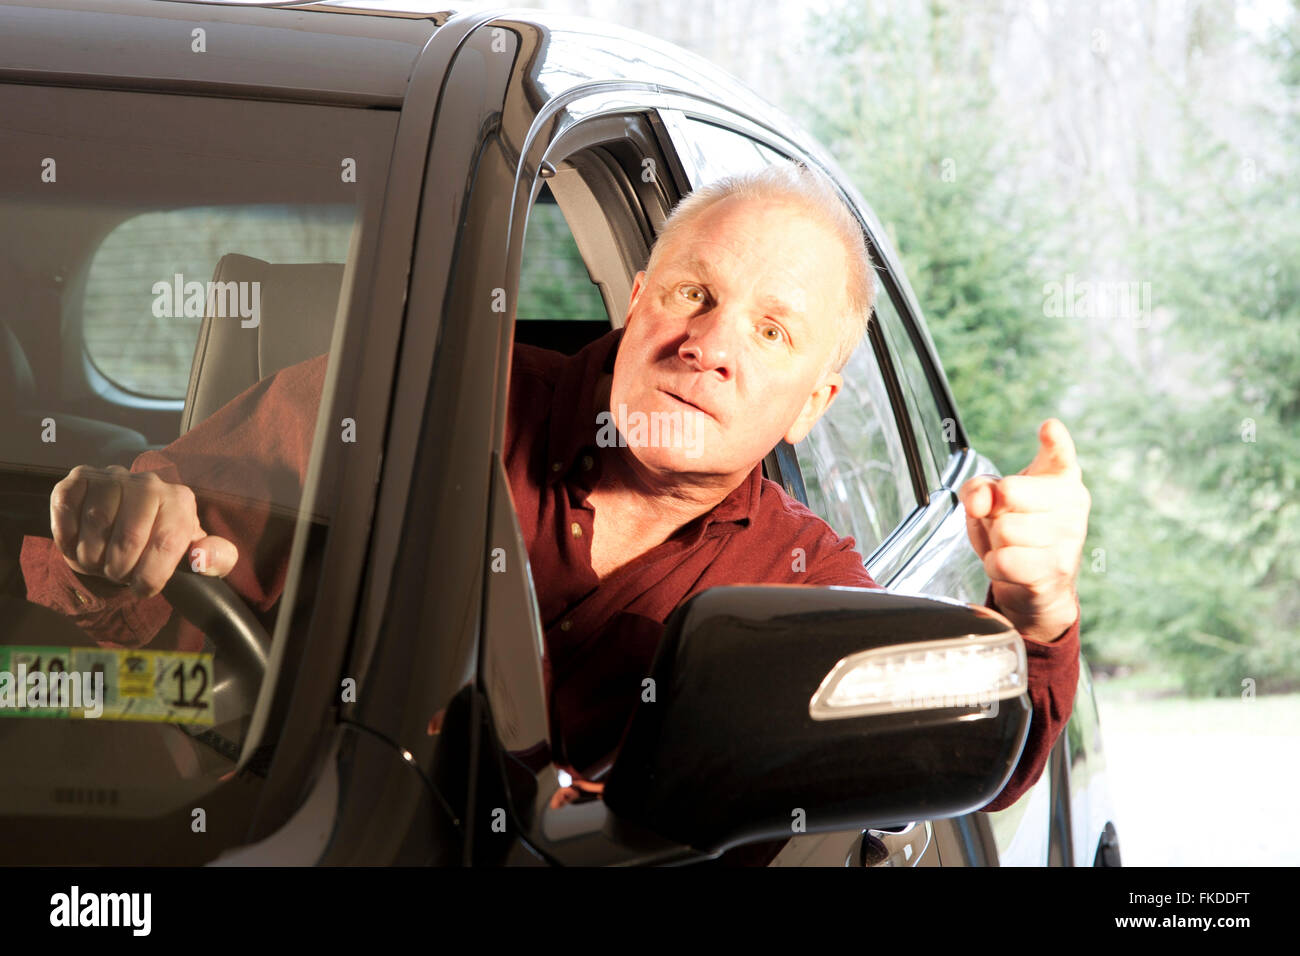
1045,627
1040,635
1050,628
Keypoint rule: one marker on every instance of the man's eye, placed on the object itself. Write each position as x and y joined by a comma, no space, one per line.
776,335
693,292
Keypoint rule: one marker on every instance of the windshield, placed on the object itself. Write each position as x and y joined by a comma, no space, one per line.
172,270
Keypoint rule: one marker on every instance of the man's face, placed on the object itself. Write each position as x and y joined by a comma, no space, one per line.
734,330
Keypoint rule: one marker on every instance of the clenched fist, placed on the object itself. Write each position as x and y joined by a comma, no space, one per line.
132,528
1029,530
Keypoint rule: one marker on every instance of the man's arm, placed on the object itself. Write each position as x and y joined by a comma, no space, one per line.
254,450
1028,530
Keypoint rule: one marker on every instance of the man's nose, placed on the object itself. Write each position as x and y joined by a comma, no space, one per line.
711,342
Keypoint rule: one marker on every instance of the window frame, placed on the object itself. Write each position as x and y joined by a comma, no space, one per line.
918,340
632,210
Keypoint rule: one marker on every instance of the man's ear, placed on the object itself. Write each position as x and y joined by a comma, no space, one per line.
815,407
638,286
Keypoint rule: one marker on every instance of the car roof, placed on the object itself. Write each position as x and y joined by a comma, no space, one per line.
348,52
292,53
345,51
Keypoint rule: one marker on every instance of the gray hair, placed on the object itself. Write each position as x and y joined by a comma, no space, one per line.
818,196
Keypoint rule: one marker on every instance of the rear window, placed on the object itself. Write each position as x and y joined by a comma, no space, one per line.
149,354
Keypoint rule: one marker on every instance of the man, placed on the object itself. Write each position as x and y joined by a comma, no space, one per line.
756,294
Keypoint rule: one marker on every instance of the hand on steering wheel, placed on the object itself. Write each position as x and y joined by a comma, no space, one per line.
97,550
132,529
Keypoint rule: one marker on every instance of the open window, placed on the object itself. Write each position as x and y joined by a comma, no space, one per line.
853,469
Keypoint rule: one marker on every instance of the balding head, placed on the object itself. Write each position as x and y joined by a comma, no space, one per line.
817,197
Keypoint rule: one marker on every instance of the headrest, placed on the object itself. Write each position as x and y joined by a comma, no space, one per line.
295,307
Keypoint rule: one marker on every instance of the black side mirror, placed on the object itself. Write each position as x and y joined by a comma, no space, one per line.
786,709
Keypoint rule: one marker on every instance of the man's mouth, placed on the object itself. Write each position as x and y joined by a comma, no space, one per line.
688,404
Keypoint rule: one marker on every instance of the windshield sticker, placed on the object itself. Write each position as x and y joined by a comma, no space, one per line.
106,684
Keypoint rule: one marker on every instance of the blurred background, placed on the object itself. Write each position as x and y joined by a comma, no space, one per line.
1097,207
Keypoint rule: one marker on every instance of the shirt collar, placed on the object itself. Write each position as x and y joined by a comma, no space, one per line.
574,427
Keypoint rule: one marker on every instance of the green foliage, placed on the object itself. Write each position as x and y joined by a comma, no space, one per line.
553,280
918,143
1186,420
1202,440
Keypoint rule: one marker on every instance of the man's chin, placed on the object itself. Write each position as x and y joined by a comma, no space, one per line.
677,460
668,432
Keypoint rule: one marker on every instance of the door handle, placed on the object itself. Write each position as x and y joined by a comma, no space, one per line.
896,846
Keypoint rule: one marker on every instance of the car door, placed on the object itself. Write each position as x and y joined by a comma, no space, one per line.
597,189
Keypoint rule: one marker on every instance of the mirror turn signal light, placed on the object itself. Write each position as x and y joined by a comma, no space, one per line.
975,670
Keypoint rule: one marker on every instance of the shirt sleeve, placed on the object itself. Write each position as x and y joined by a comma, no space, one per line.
1053,679
111,615
250,454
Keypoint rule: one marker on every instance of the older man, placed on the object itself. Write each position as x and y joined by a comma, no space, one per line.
755,296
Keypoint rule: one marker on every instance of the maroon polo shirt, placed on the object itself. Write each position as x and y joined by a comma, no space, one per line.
600,634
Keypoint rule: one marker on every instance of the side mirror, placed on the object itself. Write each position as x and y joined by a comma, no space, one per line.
786,709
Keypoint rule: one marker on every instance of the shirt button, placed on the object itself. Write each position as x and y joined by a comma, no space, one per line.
576,529
557,466
565,625
587,462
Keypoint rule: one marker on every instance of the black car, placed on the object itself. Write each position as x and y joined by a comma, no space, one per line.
412,192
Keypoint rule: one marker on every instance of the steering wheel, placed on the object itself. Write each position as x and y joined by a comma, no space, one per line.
208,603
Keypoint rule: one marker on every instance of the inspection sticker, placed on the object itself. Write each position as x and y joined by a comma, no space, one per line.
106,683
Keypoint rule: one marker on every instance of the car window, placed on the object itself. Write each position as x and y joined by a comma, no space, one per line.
122,210
147,353
716,151
855,470
922,409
